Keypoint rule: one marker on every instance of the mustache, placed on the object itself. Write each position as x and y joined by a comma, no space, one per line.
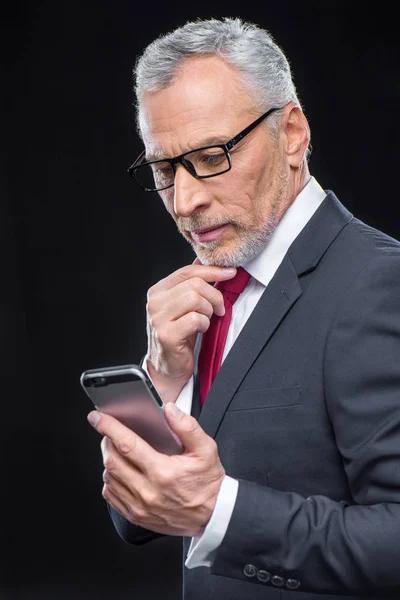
201,222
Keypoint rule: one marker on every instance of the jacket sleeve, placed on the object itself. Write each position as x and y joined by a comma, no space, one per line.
132,534
316,544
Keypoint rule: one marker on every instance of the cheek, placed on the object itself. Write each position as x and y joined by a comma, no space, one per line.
251,170
242,193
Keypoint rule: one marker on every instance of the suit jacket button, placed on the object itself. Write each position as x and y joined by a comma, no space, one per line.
250,570
263,576
277,580
292,584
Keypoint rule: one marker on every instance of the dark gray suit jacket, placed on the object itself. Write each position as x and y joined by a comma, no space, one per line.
306,414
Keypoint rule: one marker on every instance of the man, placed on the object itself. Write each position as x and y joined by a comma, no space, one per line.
289,485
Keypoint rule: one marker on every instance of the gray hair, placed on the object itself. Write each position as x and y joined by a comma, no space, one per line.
250,49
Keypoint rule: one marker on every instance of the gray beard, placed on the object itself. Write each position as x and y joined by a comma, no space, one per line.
252,242
209,253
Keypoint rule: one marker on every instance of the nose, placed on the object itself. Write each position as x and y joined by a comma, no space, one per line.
190,193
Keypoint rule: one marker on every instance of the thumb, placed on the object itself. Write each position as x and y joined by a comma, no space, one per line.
192,436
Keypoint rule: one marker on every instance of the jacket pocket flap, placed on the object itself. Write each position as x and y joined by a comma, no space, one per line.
266,398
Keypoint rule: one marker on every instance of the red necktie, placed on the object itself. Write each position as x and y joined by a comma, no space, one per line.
213,340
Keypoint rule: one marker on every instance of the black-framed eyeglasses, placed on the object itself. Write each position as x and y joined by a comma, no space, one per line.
201,163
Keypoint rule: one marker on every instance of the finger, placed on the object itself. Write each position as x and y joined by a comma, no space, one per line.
196,296
192,301
185,297
207,273
179,331
125,473
127,443
196,285
116,465
174,335
127,495
116,503
193,437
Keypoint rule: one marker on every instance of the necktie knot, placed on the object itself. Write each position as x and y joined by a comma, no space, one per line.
232,288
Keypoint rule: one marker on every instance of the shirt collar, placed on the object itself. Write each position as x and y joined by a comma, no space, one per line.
264,265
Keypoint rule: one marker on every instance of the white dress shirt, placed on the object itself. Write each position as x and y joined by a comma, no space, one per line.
202,549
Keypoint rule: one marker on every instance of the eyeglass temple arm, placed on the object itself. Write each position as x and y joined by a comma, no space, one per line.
249,128
139,158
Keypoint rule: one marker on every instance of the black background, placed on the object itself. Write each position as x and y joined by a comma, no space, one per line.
80,245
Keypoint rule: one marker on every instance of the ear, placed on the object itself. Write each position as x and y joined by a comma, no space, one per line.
296,134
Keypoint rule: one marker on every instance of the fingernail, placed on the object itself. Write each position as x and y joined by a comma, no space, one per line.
221,312
174,411
229,271
93,418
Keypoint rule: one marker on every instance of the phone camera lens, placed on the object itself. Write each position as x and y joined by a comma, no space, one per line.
98,381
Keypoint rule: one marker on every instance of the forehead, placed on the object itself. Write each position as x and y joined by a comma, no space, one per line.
207,100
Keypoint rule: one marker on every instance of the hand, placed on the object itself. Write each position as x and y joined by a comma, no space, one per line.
174,495
179,307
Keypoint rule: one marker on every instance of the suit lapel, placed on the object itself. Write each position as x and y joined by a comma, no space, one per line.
273,305
276,301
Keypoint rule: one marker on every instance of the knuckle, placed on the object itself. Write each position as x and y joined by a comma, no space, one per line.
212,446
197,284
162,336
203,323
184,272
164,477
193,298
149,308
109,463
152,291
106,445
105,492
195,319
149,497
126,444
208,309
137,514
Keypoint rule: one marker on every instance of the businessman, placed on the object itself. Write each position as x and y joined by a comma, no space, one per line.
282,339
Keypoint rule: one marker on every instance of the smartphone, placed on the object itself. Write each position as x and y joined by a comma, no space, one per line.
127,393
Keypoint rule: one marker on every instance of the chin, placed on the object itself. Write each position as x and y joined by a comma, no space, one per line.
220,257
218,263
233,255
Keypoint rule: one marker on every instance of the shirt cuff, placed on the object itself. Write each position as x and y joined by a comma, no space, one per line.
185,398
203,549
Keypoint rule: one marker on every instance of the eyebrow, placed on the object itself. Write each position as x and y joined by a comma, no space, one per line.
208,141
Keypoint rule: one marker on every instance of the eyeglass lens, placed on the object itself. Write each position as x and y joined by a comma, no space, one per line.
205,162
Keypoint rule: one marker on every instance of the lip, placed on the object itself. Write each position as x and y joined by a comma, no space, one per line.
209,234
